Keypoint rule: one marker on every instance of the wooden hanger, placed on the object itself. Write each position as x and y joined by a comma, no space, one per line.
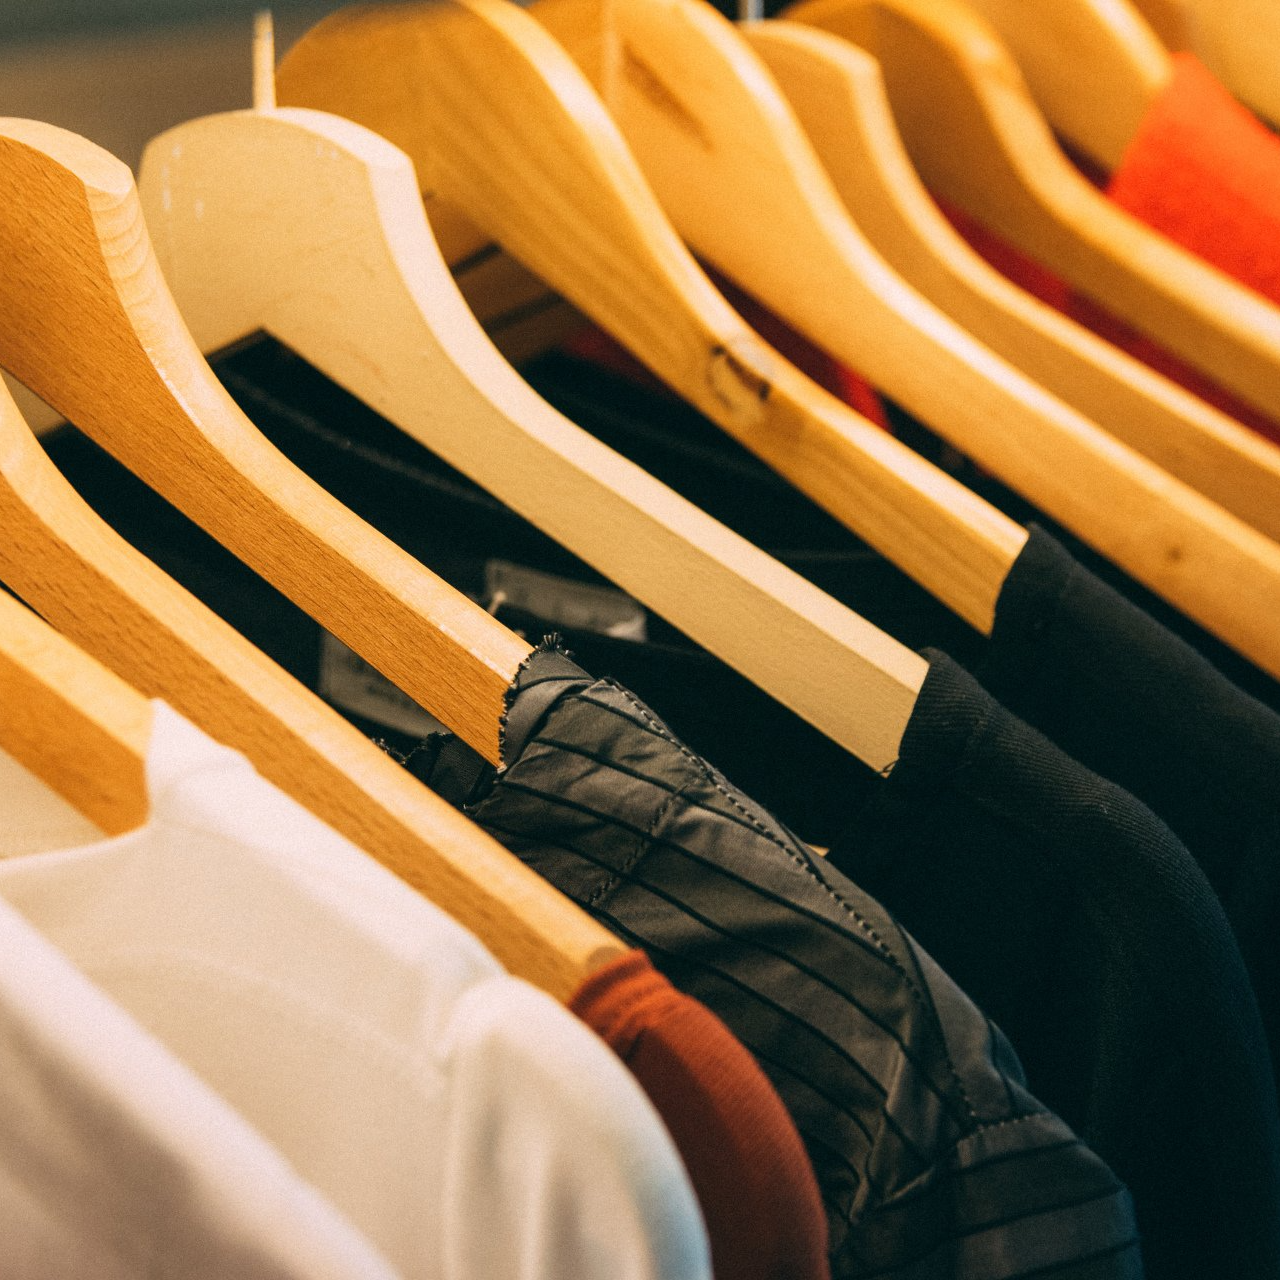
1093,66
92,329
838,94
312,229
495,116
979,142
1239,41
1170,20
64,561
70,721
731,165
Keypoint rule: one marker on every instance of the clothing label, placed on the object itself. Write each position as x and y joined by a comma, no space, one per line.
349,682
576,606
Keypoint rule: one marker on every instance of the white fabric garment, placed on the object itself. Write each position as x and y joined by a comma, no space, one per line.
117,1162
461,1121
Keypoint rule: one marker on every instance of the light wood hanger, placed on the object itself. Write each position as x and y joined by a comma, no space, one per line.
1093,66
71,722
65,562
1239,41
1170,20
93,330
838,94
312,229
732,167
979,142
495,116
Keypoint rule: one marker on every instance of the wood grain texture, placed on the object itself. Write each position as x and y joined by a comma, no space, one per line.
1093,66
715,138
839,96
61,558
101,340
312,228
979,141
500,122
69,720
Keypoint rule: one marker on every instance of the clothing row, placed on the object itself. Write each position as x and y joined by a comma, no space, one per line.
1134,979
1007,1008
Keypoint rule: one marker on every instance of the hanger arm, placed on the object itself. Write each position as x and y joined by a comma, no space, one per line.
839,96
1170,20
1094,66
996,159
311,228
497,119
71,722
1239,40
733,145
100,339
61,558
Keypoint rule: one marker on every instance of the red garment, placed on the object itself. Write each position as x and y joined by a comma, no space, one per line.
745,1159
1206,173
595,345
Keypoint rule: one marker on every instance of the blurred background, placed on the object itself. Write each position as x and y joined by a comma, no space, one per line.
120,71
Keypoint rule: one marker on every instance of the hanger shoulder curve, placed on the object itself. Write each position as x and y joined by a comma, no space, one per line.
60,557
733,146
535,159
102,341
997,160
1094,66
838,93
311,228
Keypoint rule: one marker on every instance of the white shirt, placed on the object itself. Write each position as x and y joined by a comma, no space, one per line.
462,1122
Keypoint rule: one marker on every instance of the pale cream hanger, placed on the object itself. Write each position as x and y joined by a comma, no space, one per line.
839,96
1094,66
730,164
75,725
978,140
64,561
495,116
312,229
1239,41
92,329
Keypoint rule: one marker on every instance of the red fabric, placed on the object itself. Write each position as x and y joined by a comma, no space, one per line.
594,345
1206,172
745,1159
1202,171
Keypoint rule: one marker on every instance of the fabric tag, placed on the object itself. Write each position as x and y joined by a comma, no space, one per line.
349,682
562,602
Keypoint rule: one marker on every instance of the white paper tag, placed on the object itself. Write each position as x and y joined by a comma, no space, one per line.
349,682
576,606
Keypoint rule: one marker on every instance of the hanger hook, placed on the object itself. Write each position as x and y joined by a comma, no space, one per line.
264,61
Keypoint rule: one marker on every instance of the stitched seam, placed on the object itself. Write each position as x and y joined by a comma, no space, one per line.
700,766
643,843
818,920
848,1214
653,947
925,1159
552,643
